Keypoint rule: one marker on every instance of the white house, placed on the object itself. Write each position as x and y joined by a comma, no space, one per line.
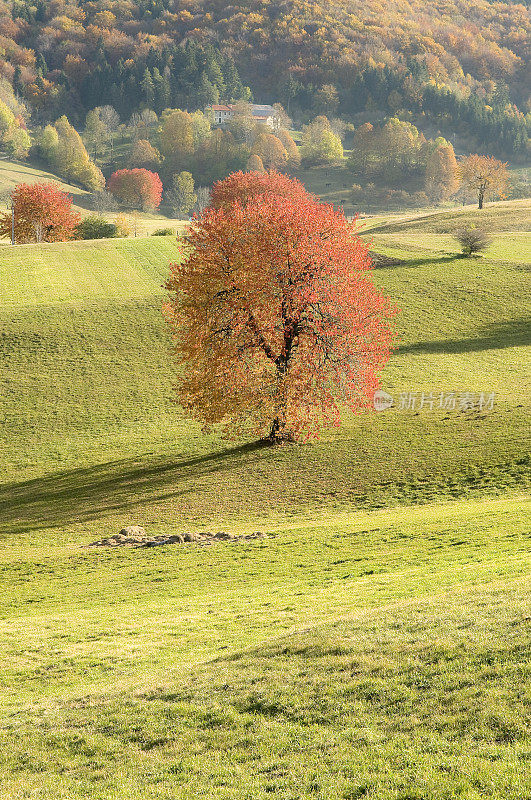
221,113
261,113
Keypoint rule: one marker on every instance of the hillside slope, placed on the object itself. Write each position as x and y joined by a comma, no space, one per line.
15,172
352,650
461,38
347,656
87,374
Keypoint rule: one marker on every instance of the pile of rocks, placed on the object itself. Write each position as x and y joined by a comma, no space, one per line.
135,536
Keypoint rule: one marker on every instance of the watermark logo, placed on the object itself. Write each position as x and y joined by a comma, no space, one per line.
382,400
432,401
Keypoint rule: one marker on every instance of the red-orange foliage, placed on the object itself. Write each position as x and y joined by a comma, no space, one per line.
43,213
277,323
245,186
138,188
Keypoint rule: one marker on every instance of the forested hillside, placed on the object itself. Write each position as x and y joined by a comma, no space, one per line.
457,63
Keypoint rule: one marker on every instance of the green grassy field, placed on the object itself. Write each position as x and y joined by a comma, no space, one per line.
374,644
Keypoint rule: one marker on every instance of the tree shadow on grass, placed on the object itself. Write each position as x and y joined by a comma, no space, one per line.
513,333
81,495
386,262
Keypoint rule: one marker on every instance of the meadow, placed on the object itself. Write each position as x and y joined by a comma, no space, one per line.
142,223
374,643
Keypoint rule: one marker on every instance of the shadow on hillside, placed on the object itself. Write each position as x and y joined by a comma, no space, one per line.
381,261
81,495
514,333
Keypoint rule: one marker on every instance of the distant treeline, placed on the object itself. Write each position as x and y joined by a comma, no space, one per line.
464,69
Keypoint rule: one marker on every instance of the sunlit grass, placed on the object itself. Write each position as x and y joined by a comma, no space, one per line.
374,644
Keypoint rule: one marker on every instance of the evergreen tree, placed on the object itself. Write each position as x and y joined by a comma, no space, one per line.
148,89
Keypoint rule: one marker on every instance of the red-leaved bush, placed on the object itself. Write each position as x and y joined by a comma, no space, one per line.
138,188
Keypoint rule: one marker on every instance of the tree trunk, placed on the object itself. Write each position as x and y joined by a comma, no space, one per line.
278,434
480,200
275,434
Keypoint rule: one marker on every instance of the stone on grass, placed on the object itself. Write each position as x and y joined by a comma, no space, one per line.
133,531
135,535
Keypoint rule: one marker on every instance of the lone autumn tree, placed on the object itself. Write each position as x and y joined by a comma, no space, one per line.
42,213
278,326
485,176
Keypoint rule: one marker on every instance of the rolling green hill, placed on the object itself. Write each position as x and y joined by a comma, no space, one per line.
373,644
14,172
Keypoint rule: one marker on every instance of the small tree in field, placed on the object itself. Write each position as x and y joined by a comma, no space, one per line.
485,176
137,188
472,240
277,323
43,213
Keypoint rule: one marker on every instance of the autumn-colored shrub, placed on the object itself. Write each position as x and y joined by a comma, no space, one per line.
377,197
472,240
123,226
95,227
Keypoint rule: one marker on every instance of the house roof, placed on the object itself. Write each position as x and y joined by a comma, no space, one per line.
262,110
257,111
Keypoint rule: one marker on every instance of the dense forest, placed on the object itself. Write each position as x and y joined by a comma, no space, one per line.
456,64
